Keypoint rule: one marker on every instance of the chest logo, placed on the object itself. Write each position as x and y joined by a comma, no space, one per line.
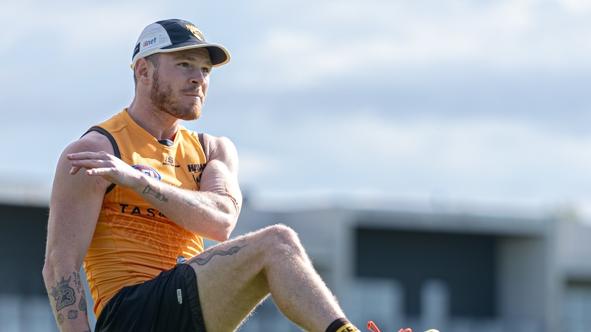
169,161
196,170
149,171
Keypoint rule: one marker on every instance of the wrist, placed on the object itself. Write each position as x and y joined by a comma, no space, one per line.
141,183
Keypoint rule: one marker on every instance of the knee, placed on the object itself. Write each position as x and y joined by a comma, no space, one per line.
282,237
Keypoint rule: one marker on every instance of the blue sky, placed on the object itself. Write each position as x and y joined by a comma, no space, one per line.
375,103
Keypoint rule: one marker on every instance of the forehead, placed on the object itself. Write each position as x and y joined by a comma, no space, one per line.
195,54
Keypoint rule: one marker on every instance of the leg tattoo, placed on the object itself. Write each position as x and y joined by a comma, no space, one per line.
209,256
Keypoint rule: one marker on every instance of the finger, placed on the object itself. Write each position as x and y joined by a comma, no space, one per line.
88,155
100,171
74,170
90,163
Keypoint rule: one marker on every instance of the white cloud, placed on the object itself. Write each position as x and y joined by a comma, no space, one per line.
72,27
315,45
576,7
340,38
255,164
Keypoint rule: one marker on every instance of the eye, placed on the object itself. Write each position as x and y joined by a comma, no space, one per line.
184,64
206,70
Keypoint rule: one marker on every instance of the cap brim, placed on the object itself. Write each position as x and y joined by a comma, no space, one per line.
218,54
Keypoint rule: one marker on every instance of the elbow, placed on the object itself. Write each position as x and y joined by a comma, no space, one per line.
225,230
48,265
48,272
220,237
55,264
45,272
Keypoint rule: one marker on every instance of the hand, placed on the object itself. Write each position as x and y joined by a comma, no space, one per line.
107,166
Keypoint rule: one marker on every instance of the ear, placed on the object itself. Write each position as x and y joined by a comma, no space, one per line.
142,70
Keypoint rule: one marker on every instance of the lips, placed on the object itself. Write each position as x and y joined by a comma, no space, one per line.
192,93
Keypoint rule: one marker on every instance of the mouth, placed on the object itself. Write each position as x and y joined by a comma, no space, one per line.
194,95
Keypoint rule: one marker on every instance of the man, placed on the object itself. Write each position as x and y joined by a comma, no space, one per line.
135,196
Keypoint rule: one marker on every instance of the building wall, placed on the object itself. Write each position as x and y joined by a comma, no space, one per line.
574,250
522,276
463,263
22,239
24,304
461,272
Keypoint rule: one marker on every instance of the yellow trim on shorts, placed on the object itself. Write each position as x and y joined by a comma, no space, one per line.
347,328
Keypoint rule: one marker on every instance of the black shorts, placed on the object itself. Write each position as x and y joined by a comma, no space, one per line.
169,302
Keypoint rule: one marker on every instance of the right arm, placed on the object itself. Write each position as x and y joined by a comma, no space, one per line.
73,212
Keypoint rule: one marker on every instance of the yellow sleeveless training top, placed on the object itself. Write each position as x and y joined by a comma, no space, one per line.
133,241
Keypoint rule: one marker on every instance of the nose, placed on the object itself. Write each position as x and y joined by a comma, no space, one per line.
198,77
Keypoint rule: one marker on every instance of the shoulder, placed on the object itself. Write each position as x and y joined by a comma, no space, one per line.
218,145
92,141
221,148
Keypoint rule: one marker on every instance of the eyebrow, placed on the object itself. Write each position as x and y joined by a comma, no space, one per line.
184,56
188,57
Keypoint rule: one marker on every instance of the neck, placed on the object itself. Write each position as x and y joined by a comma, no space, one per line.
159,124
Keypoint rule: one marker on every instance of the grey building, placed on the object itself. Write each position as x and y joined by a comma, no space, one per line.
450,270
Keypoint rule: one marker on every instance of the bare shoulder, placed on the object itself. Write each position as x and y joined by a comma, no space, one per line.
221,148
93,142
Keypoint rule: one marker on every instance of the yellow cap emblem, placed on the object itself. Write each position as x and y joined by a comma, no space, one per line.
195,31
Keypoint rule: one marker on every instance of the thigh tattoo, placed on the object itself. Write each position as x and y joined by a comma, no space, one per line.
208,256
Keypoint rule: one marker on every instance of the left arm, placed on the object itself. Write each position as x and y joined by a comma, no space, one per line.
211,212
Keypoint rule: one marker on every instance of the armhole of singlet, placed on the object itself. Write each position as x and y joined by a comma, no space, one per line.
111,139
205,150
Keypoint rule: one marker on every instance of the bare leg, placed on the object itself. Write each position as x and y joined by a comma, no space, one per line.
233,277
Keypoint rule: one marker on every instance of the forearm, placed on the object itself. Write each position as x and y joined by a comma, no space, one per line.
210,214
67,298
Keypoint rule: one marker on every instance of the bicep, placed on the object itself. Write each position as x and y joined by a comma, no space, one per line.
220,176
74,208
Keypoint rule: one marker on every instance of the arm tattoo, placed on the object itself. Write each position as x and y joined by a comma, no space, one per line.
72,314
77,281
209,256
190,202
150,191
63,294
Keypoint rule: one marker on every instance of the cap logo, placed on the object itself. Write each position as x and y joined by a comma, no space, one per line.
149,42
195,31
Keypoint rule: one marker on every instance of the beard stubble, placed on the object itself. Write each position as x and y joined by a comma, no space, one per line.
162,98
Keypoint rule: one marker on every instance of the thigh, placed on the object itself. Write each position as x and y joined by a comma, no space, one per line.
231,280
